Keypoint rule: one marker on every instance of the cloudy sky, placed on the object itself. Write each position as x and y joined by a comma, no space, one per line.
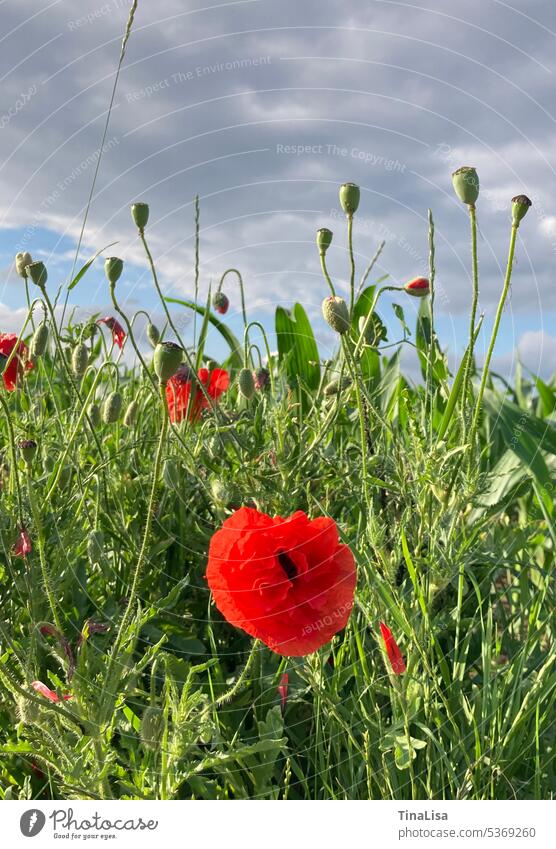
263,108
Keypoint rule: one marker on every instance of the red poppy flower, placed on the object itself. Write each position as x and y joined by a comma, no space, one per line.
288,582
392,650
22,546
49,694
118,333
418,287
283,690
19,363
178,391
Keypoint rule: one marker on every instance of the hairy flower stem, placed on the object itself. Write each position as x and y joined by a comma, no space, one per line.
352,265
326,274
131,335
474,302
242,293
352,366
42,554
13,456
235,688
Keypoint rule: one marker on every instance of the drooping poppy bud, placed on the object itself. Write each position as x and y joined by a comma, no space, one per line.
246,383
22,260
220,302
94,415
283,691
45,691
466,184
392,650
131,413
22,546
112,408
153,334
28,448
349,198
167,359
38,273
336,313
324,239
113,267
39,340
262,379
140,215
118,333
520,205
80,359
419,287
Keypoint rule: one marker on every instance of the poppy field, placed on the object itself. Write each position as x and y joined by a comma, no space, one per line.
274,575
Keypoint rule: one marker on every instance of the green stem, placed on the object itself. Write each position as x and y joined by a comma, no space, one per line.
42,554
229,694
132,337
326,274
474,302
369,315
352,265
241,289
352,366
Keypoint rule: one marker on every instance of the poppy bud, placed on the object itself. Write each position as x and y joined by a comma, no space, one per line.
112,408
140,215
520,205
94,415
39,340
262,379
392,650
80,359
95,546
113,267
337,385
246,383
65,477
171,473
466,184
220,303
22,260
324,240
38,273
335,312
28,448
131,414
153,334
349,198
151,727
167,359
419,287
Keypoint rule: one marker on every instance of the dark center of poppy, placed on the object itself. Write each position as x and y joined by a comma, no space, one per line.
287,564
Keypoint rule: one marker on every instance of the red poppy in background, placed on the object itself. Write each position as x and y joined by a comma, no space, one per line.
179,387
118,333
49,694
22,546
288,582
392,650
19,363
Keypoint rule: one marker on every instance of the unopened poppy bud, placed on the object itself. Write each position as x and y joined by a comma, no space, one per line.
28,448
520,205
38,273
140,215
151,727
262,379
246,383
95,546
94,415
336,313
419,287
349,198
39,340
153,334
22,260
466,184
80,359
112,408
324,239
337,385
65,477
167,359
131,414
220,302
113,267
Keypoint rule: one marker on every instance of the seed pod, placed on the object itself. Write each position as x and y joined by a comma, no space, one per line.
80,359
38,273
151,727
39,340
246,383
95,546
140,215
113,267
112,408
94,415
167,359
335,312
466,184
28,448
22,260
220,303
520,205
131,414
349,198
153,334
324,239
262,379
